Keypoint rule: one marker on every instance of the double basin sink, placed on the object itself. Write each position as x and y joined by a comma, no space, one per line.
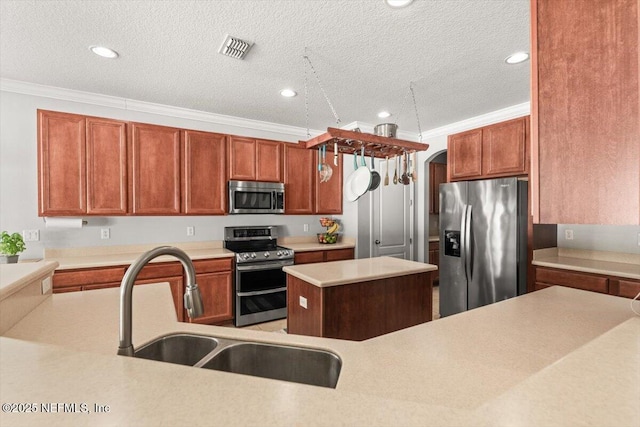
280,362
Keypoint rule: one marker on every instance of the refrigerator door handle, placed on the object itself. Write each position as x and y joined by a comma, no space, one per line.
467,245
463,241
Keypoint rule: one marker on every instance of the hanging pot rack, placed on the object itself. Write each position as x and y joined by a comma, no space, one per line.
349,141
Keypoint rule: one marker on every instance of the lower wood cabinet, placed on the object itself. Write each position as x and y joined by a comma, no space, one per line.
213,276
605,284
434,258
324,256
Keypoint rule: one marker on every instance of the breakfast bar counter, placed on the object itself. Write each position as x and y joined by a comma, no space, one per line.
555,357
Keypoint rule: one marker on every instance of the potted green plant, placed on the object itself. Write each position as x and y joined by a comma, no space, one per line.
10,246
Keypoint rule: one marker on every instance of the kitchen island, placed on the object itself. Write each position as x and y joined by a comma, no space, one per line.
558,356
358,299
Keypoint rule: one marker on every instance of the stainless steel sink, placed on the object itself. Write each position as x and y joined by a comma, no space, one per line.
280,362
295,364
183,349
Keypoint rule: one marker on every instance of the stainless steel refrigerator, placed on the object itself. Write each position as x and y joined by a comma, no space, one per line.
483,243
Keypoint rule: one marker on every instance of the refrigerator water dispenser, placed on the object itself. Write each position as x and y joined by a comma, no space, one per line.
452,243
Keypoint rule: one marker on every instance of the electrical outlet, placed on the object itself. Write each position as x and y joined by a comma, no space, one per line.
303,302
638,239
568,234
31,235
305,227
191,231
46,285
105,233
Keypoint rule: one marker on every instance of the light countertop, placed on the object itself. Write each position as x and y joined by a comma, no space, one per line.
14,277
357,270
106,256
607,263
310,243
517,362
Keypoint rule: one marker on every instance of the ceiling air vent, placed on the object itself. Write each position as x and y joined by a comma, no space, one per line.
234,47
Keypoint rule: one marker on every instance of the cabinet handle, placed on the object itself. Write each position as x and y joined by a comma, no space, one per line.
377,242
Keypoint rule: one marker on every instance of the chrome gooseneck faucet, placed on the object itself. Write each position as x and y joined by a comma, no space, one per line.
192,297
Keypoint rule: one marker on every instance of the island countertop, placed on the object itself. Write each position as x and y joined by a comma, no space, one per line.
517,362
356,270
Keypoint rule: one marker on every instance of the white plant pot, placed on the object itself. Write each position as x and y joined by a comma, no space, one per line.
9,259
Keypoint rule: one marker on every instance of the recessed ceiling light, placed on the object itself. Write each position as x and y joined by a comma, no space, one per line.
397,4
384,114
288,93
105,52
517,58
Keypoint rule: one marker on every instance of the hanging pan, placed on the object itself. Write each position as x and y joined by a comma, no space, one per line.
348,192
361,178
375,176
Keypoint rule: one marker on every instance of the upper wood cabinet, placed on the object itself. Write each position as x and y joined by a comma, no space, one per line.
437,176
299,177
106,167
464,154
585,112
154,169
81,165
62,157
204,181
493,151
255,159
328,195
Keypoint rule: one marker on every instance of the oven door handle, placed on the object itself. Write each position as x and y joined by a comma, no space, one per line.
263,266
265,292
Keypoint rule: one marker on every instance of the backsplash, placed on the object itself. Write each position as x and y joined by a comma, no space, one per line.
611,238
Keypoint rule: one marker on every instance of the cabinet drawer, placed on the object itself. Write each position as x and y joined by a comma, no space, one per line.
213,265
308,257
434,246
91,276
165,269
573,280
339,254
67,289
625,288
101,286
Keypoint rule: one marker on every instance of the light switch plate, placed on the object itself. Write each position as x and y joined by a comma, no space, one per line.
303,302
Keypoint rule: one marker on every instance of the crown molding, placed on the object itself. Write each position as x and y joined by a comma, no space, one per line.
34,89
63,94
497,116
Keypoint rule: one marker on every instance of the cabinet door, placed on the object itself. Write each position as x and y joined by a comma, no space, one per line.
61,164
299,177
585,281
242,158
504,148
328,195
154,167
177,292
464,155
106,167
586,123
204,175
437,176
268,161
217,297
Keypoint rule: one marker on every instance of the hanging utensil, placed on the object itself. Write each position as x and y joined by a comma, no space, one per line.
375,176
414,173
327,166
395,171
335,154
405,175
386,174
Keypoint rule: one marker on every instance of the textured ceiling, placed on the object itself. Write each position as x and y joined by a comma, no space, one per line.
365,54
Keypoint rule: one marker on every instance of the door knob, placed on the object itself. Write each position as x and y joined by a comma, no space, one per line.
377,242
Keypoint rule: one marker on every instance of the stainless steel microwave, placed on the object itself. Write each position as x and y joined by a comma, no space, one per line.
250,197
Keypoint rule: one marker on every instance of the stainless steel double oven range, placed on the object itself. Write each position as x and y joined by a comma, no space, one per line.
260,283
